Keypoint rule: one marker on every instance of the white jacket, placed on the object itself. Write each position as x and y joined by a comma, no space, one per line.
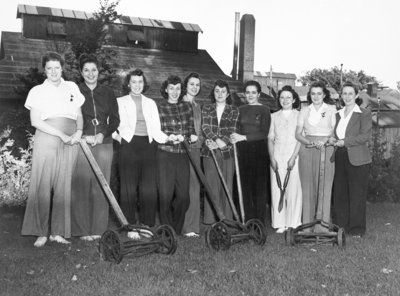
127,115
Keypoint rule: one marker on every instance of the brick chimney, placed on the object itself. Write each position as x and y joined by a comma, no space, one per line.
246,47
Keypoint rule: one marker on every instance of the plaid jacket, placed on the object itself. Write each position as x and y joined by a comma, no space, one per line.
176,119
212,130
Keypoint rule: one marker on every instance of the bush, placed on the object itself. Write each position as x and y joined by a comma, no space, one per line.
15,171
384,176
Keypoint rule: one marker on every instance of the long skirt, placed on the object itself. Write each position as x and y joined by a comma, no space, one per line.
89,215
254,173
290,215
192,217
213,179
316,181
52,166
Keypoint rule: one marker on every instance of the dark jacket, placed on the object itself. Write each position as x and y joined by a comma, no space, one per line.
357,136
100,104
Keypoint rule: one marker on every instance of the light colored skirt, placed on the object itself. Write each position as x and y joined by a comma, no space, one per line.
48,209
316,185
290,215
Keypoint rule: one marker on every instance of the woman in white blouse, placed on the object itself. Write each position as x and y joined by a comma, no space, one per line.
55,112
283,151
314,127
138,133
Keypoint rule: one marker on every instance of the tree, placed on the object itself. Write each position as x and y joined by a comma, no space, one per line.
332,77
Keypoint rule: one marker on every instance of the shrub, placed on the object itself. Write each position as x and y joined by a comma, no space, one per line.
15,171
384,176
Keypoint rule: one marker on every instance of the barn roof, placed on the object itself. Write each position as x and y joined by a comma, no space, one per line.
126,20
19,54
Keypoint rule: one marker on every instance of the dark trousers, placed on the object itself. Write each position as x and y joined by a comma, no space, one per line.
350,189
138,171
254,173
173,178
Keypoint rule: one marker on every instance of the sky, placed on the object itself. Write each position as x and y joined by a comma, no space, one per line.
292,36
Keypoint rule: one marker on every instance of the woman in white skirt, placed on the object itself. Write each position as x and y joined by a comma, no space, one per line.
283,150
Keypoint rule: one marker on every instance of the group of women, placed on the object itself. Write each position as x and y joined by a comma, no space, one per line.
65,199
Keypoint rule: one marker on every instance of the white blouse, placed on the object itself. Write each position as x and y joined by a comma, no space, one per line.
63,100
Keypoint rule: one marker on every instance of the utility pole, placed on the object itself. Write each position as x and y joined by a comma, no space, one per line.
341,75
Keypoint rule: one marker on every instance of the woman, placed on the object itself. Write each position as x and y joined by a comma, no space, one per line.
138,133
191,88
56,114
352,162
314,127
219,122
283,151
254,123
100,119
176,119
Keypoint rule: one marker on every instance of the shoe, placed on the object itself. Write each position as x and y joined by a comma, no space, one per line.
146,233
58,239
86,238
280,230
191,234
95,237
40,241
133,235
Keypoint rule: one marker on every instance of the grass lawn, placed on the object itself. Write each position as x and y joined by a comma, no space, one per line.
367,266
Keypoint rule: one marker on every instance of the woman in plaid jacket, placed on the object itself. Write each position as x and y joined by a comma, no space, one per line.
218,122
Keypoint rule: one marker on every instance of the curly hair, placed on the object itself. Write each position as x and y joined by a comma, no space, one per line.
87,58
52,56
295,95
221,83
172,79
136,72
186,81
252,83
322,85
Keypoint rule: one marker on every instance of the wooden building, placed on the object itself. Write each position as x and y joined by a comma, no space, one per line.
160,48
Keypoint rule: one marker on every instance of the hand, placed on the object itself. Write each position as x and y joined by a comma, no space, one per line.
66,139
291,162
90,139
211,144
318,144
76,137
235,137
180,138
339,143
274,164
118,138
98,139
221,144
331,141
193,138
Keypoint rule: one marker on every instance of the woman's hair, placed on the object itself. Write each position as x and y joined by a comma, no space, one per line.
52,56
136,72
221,83
87,58
356,91
320,84
296,103
172,79
252,83
186,81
